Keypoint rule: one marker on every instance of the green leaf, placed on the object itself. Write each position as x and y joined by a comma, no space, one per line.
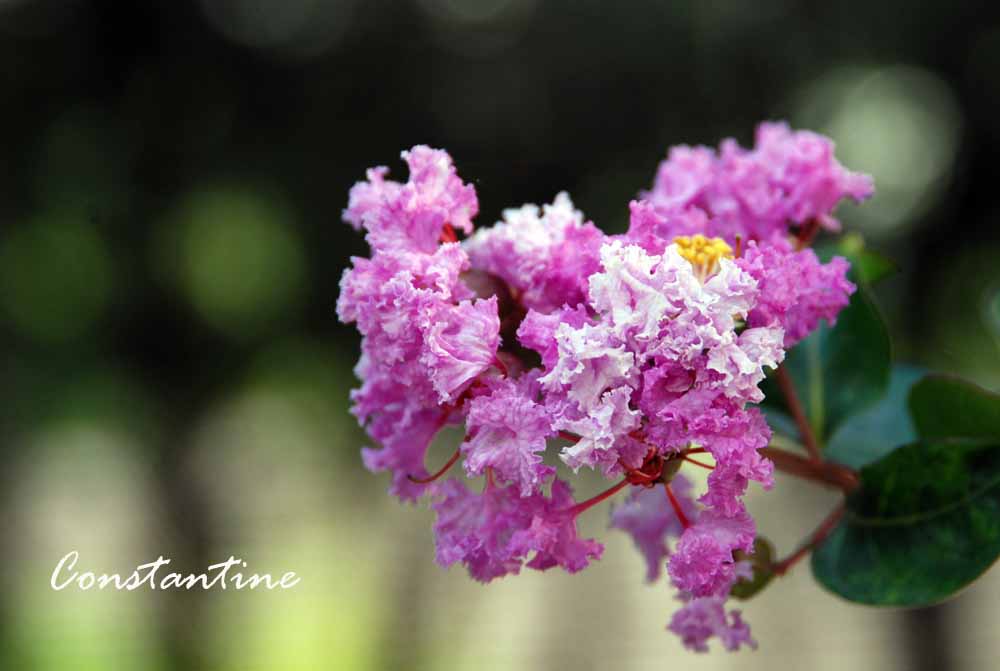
872,267
948,407
867,266
840,371
924,523
874,433
762,561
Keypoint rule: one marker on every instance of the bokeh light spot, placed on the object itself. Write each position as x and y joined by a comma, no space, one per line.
900,124
239,259
299,29
478,27
82,486
476,11
55,277
270,464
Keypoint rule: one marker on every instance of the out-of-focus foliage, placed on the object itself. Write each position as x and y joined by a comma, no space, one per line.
840,371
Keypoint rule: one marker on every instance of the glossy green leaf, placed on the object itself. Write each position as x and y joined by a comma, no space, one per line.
948,407
924,523
840,371
874,433
762,561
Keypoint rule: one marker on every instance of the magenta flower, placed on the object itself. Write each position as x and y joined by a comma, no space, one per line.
412,216
544,256
797,291
494,532
788,180
636,354
508,432
703,618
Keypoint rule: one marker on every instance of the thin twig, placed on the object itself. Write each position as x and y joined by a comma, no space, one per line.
823,472
593,501
818,536
676,505
698,463
444,469
787,387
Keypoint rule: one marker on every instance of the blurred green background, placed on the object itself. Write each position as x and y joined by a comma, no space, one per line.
174,380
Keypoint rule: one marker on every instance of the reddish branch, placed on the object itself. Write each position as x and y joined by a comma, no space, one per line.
444,469
591,502
787,387
825,528
698,463
823,472
676,505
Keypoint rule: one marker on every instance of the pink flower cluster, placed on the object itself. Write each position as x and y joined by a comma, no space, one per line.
789,179
631,353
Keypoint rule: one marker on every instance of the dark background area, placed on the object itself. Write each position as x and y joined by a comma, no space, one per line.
171,244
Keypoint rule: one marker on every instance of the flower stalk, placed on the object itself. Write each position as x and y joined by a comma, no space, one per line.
676,505
787,386
593,501
821,533
437,474
823,472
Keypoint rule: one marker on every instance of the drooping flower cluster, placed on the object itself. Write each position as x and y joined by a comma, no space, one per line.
632,352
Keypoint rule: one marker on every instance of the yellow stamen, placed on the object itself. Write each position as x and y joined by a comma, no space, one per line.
703,253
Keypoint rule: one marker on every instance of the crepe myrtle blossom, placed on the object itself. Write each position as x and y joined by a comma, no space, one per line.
635,355
789,180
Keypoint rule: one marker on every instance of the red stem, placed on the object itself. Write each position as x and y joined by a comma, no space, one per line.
698,463
787,387
823,472
444,469
591,502
818,536
676,506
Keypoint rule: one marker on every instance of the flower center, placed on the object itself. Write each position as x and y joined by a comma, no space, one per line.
703,253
